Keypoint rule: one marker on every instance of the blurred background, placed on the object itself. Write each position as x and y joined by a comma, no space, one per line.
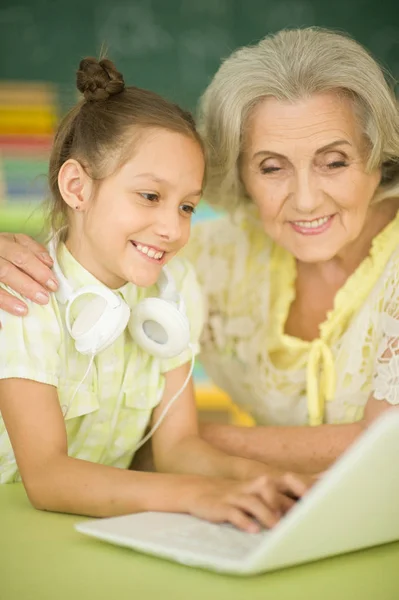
170,46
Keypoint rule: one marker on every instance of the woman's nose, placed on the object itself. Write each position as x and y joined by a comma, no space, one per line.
306,197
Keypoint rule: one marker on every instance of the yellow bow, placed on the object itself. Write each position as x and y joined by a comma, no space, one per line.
320,377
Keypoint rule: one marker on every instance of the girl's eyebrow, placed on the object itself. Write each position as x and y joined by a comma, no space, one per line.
164,181
151,176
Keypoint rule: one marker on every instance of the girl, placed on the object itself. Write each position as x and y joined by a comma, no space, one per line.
82,377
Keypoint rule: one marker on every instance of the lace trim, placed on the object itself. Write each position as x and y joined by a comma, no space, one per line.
320,373
347,300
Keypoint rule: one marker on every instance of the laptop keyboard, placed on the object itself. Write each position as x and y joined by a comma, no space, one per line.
208,538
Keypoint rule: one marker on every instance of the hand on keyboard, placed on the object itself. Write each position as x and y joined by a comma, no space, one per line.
250,505
295,485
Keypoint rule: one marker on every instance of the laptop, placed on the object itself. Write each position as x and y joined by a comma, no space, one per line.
354,505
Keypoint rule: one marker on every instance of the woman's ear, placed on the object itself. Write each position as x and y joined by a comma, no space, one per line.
74,184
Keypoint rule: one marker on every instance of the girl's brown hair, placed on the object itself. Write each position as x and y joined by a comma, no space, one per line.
106,123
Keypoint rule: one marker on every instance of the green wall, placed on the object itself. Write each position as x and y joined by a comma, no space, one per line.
171,46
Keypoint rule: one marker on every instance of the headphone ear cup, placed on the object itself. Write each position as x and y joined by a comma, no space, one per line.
98,325
159,328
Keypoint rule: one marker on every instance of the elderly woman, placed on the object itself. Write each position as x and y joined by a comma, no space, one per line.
302,276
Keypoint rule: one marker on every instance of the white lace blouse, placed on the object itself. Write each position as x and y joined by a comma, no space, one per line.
278,379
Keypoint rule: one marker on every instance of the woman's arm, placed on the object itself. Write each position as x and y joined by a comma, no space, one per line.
313,449
300,449
25,267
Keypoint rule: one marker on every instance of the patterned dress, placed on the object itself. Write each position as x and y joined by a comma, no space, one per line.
249,285
109,413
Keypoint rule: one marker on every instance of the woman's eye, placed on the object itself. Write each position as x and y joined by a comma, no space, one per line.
149,196
188,209
265,170
334,160
337,164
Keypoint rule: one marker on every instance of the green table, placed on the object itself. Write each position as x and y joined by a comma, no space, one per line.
42,557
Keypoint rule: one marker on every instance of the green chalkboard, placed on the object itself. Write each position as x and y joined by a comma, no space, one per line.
171,46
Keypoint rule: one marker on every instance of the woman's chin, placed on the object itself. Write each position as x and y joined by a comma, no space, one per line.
316,254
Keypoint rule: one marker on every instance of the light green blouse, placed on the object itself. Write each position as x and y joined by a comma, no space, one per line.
111,410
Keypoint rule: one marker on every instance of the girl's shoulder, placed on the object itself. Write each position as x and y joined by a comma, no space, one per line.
37,313
29,346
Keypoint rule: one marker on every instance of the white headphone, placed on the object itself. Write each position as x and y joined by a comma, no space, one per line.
158,325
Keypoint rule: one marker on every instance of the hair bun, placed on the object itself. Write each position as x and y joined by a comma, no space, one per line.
98,80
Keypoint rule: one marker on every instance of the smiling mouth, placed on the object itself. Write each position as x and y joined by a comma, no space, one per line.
149,252
313,227
312,224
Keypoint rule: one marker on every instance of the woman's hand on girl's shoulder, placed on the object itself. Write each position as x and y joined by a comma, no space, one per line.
249,505
25,266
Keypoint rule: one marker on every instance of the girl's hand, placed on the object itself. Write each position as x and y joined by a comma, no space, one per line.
25,267
250,505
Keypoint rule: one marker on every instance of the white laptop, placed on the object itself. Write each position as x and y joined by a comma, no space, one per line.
354,505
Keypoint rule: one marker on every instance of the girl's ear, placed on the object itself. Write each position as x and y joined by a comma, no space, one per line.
74,184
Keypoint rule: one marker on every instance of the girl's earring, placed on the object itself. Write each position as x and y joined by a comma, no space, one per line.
79,198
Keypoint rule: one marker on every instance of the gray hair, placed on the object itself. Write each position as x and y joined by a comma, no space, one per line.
290,65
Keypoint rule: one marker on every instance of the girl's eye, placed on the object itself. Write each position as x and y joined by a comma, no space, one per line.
189,209
149,196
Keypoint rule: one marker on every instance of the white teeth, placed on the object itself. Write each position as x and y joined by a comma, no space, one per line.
312,224
150,252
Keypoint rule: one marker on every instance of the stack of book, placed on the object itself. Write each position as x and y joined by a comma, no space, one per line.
28,118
